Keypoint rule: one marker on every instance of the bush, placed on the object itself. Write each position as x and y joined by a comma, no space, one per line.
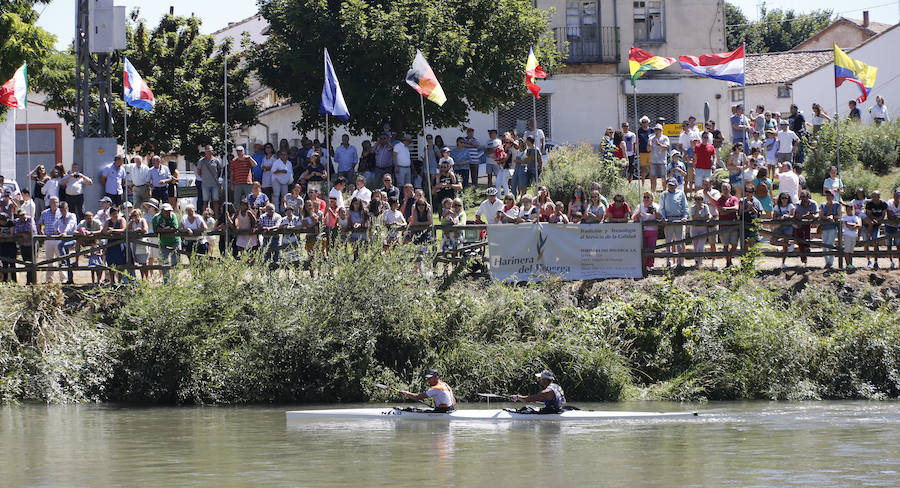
569,166
856,177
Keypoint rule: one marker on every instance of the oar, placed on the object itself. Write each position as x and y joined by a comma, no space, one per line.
494,395
397,390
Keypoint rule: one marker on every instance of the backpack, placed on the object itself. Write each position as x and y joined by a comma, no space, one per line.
762,189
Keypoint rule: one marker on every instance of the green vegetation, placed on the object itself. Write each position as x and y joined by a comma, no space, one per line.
866,152
777,30
236,332
22,42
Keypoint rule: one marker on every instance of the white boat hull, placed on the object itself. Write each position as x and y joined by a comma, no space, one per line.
395,413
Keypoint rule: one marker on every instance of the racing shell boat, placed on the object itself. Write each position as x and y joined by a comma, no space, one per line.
487,415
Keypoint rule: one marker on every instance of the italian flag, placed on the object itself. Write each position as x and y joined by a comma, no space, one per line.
14,93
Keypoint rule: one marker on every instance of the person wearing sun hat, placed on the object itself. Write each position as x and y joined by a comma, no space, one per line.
552,394
439,392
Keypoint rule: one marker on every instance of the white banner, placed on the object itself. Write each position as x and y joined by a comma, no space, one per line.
534,252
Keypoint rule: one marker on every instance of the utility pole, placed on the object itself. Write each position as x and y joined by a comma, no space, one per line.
99,33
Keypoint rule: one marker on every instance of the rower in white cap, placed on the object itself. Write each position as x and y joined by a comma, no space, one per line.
552,395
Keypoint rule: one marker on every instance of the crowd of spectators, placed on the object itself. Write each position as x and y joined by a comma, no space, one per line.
345,194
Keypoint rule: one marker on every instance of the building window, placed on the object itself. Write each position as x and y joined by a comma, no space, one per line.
655,107
517,116
737,95
46,146
649,21
784,91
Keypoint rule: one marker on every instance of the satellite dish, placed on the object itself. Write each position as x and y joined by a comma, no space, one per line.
705,112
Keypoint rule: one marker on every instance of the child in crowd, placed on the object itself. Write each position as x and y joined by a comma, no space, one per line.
559,217
851,224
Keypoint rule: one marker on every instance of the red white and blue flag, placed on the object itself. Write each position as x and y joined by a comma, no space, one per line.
721,66
137,93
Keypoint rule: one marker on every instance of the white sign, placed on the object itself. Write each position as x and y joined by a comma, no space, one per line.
534,252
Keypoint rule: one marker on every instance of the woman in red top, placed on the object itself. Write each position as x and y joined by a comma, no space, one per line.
619,142
618,210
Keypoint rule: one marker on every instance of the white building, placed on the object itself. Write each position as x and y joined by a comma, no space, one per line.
818,84
592,91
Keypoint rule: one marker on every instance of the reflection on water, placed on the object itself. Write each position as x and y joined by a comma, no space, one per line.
735,444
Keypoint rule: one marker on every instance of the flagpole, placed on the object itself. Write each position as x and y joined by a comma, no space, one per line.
837,147
427,166
28,136
328,151
225,163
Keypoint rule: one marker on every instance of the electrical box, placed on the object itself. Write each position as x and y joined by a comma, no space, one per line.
107,26
93,154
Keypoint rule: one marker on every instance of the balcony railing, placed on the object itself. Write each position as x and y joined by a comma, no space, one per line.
588,43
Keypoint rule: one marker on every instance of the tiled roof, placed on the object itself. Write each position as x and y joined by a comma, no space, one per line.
783,67
875,27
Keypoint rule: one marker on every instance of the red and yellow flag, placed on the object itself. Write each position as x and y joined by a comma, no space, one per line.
640,61
533,70
422,79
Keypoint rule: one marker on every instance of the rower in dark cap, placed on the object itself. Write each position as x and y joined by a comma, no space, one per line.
552,395
440,393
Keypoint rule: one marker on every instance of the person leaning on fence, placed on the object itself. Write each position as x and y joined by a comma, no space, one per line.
116,257
647,211
140,254
65,227
830,211
892,226
24,231
195,225
750,211
7,249
674,208
268,224
166,224
699,213
730,234
46,225
805,210
876,208
851,224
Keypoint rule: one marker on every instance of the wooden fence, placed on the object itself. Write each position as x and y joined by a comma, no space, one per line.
471,248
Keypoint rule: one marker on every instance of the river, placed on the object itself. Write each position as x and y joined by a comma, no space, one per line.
749,444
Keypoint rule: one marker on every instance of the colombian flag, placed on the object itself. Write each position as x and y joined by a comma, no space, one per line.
854,71
533,70
423,80
640,61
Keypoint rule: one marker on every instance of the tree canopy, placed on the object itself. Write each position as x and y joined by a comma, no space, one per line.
477,49
778,30
184,69
21,41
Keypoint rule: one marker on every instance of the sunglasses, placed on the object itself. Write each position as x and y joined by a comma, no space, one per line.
646,198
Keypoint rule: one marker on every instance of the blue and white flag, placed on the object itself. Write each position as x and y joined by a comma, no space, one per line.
332,98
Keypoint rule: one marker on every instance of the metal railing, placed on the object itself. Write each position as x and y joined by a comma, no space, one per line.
588,43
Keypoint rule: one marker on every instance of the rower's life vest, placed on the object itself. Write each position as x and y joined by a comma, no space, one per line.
442,395
559,398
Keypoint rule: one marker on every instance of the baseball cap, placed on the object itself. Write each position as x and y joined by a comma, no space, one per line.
783,122
167,206
771,131
676,153
658,126
491,190
431,373
106,199
239,148
493,144
546,374
671,181
445,149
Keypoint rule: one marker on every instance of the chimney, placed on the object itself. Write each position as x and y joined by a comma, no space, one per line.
865,18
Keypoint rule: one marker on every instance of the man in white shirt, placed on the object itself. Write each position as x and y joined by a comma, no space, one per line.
540,141
337,191
489,208
65,226
112,177
402,162
789,182
346,158
787,143
138,175
659,150
74,182
630,147
492,166
361,191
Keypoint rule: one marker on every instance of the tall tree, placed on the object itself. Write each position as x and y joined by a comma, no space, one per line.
184,69
21,41
778,30
477,49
